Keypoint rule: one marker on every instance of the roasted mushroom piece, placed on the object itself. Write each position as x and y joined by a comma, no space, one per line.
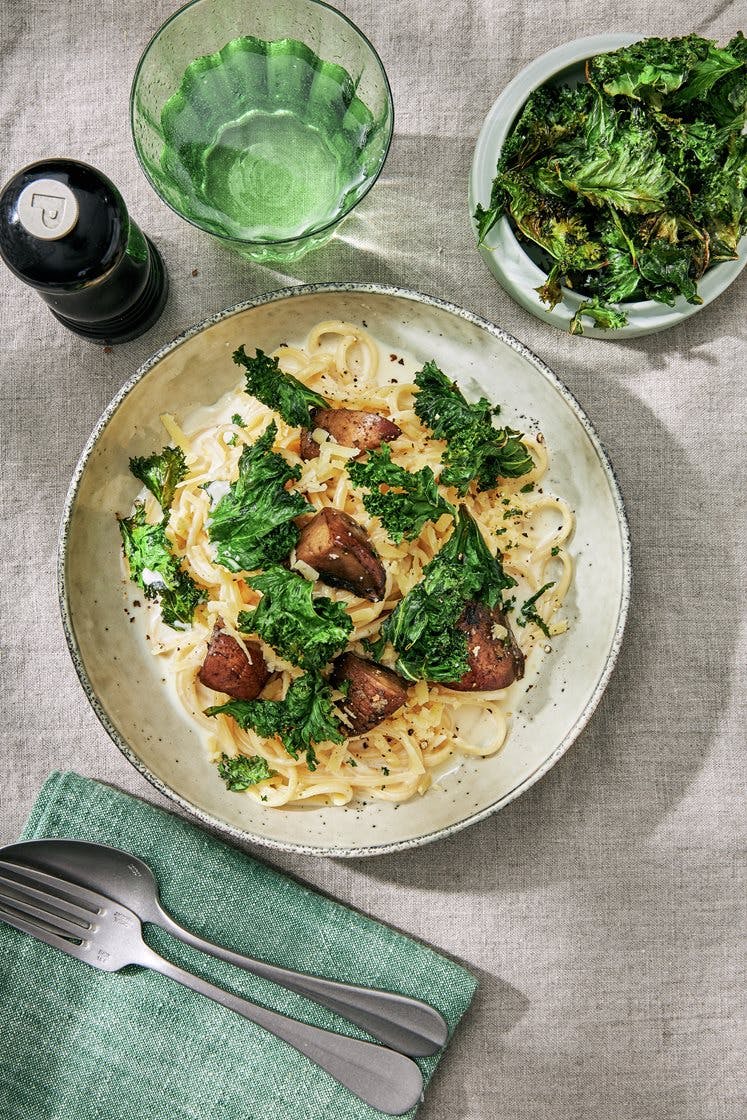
337,547
373,693
351,427
227,668
495,660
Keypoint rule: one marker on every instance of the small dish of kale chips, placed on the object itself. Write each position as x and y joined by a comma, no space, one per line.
629,184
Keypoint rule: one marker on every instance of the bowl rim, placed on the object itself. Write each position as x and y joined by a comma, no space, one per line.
644,316
289,293
315,231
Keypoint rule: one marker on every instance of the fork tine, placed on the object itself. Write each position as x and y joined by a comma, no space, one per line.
17,885
88,900
24,900
39,931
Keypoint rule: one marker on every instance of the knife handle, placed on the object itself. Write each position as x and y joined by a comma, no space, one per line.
408,1025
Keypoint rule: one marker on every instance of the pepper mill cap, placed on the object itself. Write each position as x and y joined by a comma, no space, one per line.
63,225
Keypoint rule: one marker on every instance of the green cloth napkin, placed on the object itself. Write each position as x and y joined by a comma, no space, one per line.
79,1044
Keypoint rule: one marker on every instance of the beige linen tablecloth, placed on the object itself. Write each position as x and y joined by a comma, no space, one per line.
602,911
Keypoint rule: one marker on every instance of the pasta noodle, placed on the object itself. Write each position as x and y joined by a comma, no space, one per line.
401,756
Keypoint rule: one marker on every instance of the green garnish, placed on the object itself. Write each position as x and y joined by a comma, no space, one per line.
161,473
252,525
238,420
305,716
155,569
306,631
422,627
412,497
529,613
243,771
475,449
635,183
280,391
602,315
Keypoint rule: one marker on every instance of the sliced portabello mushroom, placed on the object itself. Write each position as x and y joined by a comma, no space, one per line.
227,668
337,547
494,662
374,692
350,427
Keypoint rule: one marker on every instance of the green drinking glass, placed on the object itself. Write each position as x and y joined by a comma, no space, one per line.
263,123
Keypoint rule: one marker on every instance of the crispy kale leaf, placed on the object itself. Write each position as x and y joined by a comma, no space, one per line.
306,631
649,69
243,771
161,473
422,627
475,449
252,526
666,269
601,314
726,104
155,569
279,391
703,76
547,217
624,168
549,117
721,208
303,717
630,186
675,71
411,497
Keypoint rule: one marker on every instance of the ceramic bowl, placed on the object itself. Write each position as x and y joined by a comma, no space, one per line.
504,254
122,680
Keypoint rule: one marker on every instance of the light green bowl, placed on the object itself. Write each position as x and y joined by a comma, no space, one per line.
508,259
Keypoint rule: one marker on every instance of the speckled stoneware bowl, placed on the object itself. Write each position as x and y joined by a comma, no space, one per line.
504,254
122,681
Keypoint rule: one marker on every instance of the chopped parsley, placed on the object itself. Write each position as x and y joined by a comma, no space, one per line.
529,613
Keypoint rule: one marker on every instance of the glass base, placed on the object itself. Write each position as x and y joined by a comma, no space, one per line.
284,251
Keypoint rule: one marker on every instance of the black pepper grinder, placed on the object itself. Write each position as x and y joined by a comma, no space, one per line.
65,231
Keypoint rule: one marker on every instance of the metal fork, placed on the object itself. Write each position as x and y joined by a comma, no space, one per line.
106,935
400,1022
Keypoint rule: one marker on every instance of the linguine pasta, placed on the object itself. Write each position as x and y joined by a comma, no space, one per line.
400,757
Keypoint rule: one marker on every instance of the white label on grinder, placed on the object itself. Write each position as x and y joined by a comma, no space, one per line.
48,209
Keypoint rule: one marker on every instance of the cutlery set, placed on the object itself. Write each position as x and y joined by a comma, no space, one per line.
91,901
